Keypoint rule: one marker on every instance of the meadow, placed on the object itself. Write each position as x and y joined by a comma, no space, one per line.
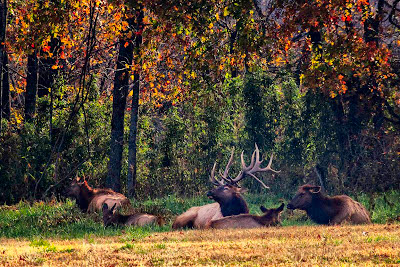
56,233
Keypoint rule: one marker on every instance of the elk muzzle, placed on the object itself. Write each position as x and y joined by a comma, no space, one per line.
290,206
210,194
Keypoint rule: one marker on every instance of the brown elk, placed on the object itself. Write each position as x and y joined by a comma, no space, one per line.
271,217
328,210
111,216
227,194
91,199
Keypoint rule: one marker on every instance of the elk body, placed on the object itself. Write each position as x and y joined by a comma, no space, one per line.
328,210
227,195
111,216
91,199
271,217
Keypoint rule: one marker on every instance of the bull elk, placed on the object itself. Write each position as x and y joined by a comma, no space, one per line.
111,216
271,217
227,194
328,210
91,199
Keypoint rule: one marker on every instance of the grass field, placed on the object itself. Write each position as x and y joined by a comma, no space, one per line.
284,246
57,233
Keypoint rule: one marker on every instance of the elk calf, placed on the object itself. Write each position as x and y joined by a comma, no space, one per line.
271,217
328,210
111,216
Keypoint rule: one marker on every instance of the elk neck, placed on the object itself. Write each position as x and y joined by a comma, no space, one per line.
235,206
121,219
86,192
322,208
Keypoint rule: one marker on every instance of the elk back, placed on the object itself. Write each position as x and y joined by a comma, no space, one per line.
110,199
198,217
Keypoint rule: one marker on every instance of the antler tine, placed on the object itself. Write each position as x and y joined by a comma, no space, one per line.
212,177
270,163
225,175
245,168
261,182
255,167
227,179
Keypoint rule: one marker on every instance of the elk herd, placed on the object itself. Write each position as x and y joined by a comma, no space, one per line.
230,209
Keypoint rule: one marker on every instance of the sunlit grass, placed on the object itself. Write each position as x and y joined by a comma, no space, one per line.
57,234
365,245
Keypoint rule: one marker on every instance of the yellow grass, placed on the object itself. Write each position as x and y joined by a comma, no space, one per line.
280,246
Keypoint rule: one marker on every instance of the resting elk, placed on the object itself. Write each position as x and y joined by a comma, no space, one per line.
328,210
227,194
111,216
271,217
91,199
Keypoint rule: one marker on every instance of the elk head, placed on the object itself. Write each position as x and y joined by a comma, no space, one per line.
227,191
109,215
74,188
304,197
272,216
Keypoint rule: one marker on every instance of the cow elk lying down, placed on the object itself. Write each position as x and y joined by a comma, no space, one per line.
328,210
271,217
113,217
227,195
91,199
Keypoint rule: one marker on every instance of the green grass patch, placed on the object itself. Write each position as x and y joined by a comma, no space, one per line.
65,220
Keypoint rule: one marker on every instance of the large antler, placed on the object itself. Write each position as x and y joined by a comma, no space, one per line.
254,167
225,175
246,170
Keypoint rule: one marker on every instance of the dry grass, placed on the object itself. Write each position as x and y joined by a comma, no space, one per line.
284,246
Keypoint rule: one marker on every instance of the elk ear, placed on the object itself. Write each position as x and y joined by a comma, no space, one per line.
113,207
242,190
315,189
280,207
105,207
263,209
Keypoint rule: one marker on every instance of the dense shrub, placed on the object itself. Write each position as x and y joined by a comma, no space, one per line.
315,139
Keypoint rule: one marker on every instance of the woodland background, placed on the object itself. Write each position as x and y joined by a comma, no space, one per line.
91,87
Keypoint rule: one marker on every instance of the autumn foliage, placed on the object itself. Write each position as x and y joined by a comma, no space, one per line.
315,81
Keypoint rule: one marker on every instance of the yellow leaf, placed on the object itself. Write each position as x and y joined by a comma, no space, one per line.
226,12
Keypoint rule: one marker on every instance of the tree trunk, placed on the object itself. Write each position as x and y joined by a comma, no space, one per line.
46,73
31,87
5,89
120,92
4,82
132,162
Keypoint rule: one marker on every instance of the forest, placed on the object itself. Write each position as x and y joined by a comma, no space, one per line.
144,97
93,87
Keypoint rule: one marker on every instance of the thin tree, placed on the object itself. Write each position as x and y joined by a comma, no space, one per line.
132,148
4,82
120,92
31,86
